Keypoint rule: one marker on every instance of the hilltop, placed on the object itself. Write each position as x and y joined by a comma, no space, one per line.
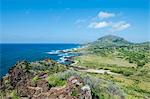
110,41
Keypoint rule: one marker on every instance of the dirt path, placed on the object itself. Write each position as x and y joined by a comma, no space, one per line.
101,71
88,70
98,71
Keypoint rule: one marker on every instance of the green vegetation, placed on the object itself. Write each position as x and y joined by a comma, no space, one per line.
48,66
35,79
130,60
14,95
54,81
97,62
99,87
74,92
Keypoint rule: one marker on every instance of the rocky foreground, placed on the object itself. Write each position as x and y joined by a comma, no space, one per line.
49,80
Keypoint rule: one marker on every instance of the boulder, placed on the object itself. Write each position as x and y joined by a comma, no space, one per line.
86,92
43,84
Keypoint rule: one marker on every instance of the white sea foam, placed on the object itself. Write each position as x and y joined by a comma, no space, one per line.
54,52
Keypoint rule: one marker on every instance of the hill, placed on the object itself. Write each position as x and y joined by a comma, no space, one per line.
111,41
111,45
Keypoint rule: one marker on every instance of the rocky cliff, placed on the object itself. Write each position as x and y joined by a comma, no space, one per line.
28,80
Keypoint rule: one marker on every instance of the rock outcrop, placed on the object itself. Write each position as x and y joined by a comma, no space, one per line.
49,80
33,85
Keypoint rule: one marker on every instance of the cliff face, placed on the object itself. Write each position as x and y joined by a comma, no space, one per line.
29,82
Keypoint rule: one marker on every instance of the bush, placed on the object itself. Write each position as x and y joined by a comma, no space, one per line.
74,93
140,64
35,79
128,73
66,74
14,95
53,80
115,90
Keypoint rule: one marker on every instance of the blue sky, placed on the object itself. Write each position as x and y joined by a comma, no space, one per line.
73,21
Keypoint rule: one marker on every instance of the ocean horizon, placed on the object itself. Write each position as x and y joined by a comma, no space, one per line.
12,52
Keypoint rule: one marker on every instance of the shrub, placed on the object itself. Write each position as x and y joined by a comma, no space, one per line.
35,79
14,95
115,90
140,64
53,80
128,73
66,74
74,93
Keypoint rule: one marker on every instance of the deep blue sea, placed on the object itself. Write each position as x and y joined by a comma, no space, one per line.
10,53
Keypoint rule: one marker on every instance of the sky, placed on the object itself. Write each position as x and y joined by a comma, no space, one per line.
73,21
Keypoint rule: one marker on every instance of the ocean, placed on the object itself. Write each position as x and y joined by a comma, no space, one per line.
11,53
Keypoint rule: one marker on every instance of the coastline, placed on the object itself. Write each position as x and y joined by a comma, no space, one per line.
31,53
66,55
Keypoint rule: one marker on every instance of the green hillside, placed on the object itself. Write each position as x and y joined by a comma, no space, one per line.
110,45
130,60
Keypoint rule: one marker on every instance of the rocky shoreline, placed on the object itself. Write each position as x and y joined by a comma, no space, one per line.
66,55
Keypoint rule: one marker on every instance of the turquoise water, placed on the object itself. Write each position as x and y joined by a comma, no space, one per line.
10,53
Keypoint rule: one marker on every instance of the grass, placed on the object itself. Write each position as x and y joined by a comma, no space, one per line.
98,62
54,81
135,81
35,79
132,89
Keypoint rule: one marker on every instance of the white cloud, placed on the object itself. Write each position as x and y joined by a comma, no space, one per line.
114,26
119,26
105,15
97,25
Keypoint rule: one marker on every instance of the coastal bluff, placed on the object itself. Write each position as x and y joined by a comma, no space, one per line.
29,80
